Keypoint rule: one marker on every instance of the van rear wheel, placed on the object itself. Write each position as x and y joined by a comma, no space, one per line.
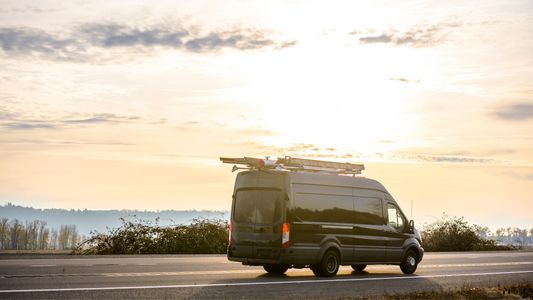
410,262
358,268
276,269
328,266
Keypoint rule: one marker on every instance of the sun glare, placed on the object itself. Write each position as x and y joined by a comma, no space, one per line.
333,98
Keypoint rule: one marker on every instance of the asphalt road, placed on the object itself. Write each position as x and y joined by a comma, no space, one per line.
213,276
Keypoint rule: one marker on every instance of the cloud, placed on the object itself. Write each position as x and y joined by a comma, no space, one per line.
92,40
382,38
27,9
65,142
35,42
28,125
305,150
516,174
237,40
17,122
417,36
100,118
8,115
405,80
516,112
116,35
444,158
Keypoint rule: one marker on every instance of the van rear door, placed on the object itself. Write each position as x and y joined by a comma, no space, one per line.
257,223
257,217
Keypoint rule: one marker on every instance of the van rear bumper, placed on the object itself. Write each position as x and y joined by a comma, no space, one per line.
288,256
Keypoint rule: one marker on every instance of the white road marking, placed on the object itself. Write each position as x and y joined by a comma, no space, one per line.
256,271
249,271
38,266
514,263
263,282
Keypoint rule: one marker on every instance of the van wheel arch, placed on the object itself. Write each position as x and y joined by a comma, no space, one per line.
330,245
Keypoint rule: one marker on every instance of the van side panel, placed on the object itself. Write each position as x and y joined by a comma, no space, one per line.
322,214
369,229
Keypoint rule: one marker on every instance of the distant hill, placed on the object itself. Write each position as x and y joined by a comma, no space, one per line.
99,220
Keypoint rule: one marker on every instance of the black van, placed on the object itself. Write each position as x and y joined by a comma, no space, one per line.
295,218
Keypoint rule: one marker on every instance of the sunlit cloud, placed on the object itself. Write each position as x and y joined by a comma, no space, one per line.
404,80
515,112
28,125
445,159
16,121
416,36
100,118
81,43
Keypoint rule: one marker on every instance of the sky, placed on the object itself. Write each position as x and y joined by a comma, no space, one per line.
129,104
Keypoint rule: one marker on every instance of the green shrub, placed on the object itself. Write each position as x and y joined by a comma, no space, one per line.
141,237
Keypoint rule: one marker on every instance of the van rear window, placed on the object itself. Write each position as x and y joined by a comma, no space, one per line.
257,206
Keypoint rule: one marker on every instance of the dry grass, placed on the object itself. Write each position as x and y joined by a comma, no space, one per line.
520,291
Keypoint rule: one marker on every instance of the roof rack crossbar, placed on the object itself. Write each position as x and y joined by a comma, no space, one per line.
295,164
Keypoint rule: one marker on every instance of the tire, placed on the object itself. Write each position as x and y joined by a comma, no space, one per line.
314,268
276,269
329,266
409,262
358,268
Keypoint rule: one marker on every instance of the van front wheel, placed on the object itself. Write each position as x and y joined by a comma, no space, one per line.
276,269
329,266
410,262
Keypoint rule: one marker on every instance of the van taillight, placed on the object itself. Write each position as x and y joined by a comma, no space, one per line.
229,238
285,232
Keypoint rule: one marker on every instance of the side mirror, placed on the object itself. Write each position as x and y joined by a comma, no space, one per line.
411,226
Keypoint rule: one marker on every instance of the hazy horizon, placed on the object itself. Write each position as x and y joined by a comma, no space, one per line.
129,104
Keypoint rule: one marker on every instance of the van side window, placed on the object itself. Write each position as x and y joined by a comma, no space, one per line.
324,208
395,217
368,210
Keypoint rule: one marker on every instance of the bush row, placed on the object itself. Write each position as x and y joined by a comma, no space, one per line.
205,236
142,237
456,234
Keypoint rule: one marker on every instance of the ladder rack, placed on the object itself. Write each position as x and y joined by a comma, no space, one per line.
294,164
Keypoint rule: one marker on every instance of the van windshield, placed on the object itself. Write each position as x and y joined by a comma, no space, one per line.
257,206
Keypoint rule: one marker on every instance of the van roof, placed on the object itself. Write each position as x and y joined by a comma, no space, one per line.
335,180
328,179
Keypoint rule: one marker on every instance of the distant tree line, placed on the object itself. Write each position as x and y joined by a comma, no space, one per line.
99,220
512,236
35,235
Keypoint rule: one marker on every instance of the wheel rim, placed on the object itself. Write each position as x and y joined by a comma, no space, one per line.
331,264
411,262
